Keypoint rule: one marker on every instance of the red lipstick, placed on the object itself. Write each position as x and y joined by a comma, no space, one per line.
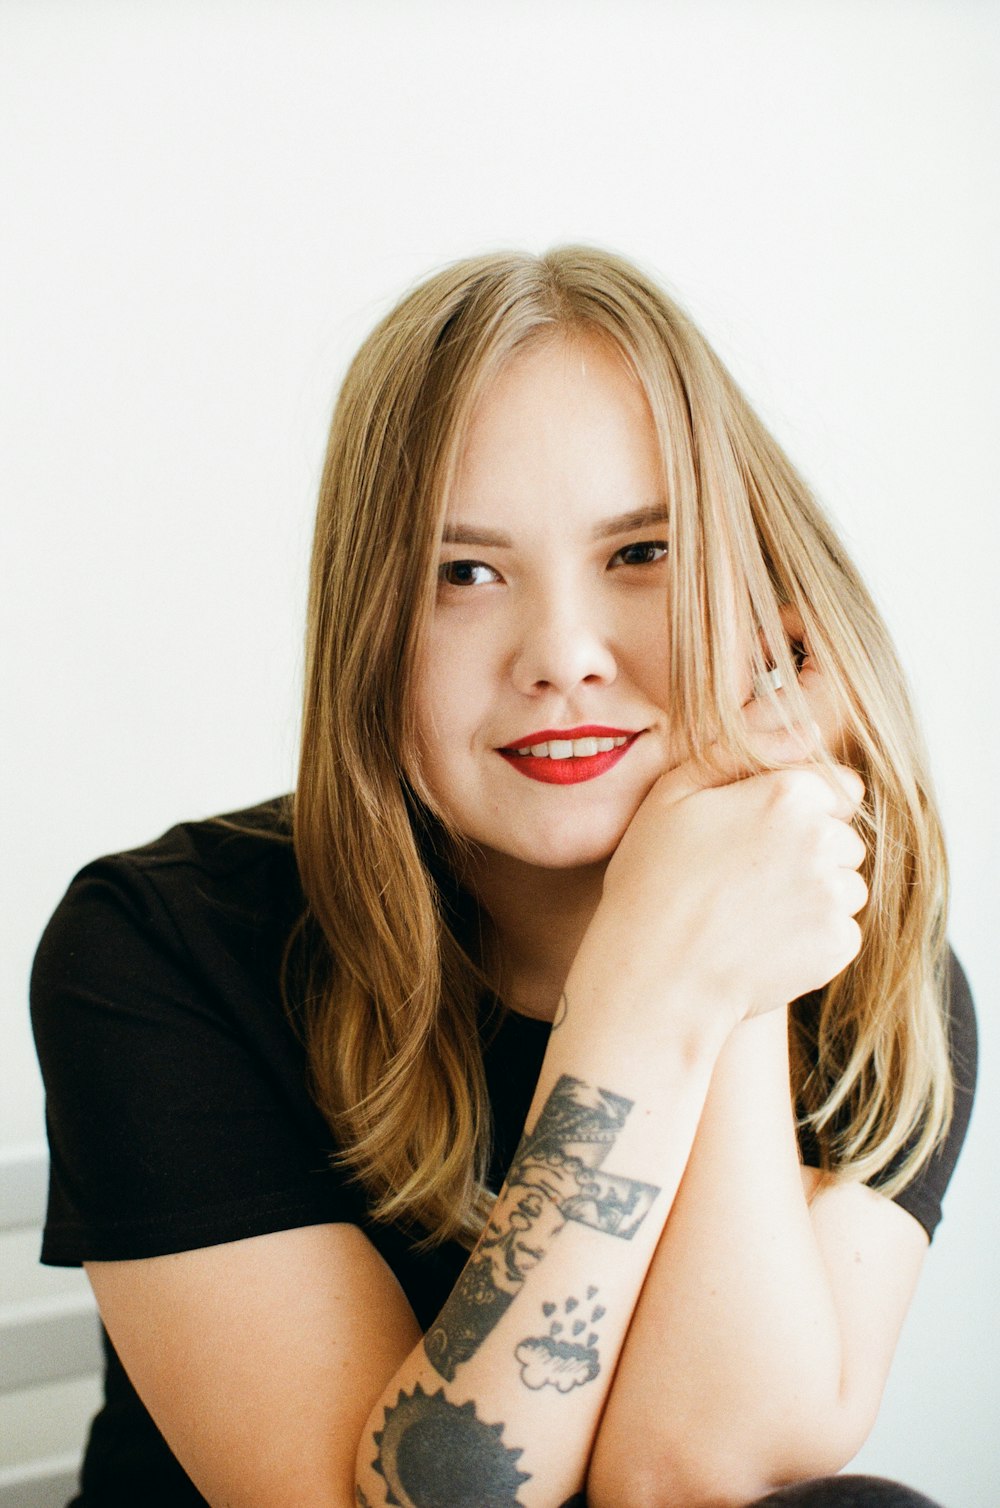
549,735
576,768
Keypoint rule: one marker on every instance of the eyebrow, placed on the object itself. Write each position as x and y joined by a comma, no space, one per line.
495,539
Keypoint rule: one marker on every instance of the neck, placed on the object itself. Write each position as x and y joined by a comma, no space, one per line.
537,920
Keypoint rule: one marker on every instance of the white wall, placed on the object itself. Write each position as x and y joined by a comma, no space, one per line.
206,206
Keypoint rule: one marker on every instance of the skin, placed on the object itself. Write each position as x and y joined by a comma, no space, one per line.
555,628
562,625
751,1317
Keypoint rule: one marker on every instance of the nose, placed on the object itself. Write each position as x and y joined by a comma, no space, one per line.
561,644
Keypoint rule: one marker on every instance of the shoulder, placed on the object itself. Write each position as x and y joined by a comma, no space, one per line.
217,857
191,891
223,845
176,1088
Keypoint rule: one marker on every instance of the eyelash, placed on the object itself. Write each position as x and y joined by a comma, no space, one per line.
454,565
480,565
644,544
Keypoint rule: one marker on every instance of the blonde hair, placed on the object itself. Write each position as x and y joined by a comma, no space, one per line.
390,1008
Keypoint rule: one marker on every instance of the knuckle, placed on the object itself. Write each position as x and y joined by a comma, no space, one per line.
851,784
790,789
852,939
860,897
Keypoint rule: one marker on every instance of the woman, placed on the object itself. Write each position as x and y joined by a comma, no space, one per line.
616,880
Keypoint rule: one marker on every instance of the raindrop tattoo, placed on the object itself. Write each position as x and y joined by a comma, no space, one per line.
567,1356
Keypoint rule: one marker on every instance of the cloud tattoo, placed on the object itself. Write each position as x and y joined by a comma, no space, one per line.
561,1364
549,1361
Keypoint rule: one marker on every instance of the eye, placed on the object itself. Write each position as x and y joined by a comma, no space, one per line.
466,573
645,553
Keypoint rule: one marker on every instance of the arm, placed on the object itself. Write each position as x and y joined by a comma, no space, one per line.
261,1359
760,1346
259,1421
501,1402
650,1010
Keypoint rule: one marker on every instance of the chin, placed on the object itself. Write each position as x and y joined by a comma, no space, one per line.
563,849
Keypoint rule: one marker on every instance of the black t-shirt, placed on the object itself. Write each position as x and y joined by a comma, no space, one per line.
177,1102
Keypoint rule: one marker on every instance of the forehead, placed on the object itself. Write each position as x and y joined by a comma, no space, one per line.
564,421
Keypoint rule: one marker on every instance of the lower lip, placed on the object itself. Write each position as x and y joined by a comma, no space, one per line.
567,771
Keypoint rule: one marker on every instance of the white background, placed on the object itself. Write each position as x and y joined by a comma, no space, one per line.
206,205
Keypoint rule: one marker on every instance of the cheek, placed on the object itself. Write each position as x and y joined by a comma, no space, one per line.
451,698
648,658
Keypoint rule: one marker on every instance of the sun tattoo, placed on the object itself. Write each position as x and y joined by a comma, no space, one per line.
436,1454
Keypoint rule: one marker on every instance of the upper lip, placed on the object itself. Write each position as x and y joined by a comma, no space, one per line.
553,735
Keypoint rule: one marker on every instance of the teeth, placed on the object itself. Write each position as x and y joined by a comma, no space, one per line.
576,748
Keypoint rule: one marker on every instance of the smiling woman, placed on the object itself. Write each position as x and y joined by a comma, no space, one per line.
560,618
555,1097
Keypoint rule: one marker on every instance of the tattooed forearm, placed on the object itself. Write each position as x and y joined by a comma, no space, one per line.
562,1157
567,1357
556,1176
432,1452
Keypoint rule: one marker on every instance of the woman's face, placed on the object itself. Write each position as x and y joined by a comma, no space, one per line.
549,632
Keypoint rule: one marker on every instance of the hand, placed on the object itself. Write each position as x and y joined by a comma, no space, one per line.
816,690
744,887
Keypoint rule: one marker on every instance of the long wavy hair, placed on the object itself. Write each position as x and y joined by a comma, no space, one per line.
390,998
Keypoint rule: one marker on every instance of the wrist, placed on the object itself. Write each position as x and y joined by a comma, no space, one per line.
652,997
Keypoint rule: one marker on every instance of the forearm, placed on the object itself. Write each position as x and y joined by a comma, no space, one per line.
506,1391
732,1373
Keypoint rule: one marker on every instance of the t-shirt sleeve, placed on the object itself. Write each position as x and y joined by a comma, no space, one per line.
924,1195
175,1121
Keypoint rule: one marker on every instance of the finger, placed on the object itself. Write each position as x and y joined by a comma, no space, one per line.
779,746
815,685
763,715
855,891
849,791
692,776
842,788
847,847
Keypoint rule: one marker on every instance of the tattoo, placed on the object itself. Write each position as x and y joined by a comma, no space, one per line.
562,1011
555,1177
434,1453
556,1361
360,1498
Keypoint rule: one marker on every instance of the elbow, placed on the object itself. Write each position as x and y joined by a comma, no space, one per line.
663,1470
677,1481
717,1470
